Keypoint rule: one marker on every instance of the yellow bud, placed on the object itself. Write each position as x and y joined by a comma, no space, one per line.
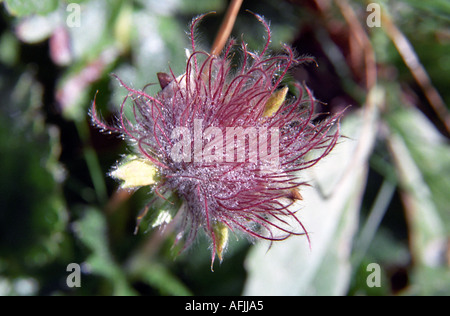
275,101
220,231
135,172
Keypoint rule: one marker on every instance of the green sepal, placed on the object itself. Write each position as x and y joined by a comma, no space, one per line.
275,101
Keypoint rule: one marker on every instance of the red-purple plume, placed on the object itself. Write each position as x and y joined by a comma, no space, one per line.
227,141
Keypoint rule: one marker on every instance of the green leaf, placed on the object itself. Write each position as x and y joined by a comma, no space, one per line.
28,7
92,231
439,8
429,154
33,218
160,277
422,159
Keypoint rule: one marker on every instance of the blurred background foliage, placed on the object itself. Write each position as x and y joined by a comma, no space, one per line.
381,197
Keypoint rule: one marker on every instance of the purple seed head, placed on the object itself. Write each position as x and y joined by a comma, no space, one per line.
228,142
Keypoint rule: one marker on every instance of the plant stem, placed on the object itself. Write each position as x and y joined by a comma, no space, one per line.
92,162
376,215
226,27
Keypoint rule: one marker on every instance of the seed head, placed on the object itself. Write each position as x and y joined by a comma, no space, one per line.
227,140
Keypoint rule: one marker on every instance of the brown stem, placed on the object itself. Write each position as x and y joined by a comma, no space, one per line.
226,27
362,40
418,71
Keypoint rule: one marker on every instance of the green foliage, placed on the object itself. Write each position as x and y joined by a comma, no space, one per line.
33,217
27,7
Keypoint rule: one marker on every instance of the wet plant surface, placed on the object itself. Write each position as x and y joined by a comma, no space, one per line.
380,196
